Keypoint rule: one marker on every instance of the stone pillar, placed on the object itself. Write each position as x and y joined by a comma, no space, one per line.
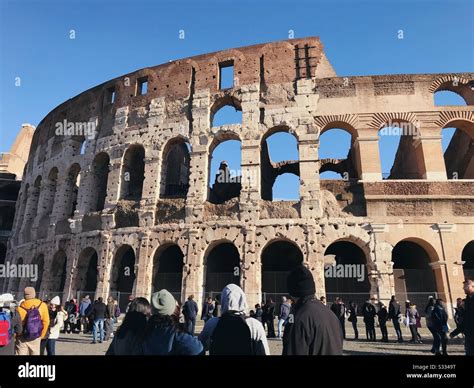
309,176
198,177
150,192
250,192
104,267
144,264
367,156
30,214
114,183
193,269
383,264
429,155
251,269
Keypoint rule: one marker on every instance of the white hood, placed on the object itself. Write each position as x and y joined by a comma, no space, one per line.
233,299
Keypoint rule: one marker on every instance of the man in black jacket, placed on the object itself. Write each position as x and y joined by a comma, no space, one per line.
394,314
97,315
467,324
369,313
312,328
190,310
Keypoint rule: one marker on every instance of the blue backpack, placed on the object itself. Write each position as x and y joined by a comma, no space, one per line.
6,332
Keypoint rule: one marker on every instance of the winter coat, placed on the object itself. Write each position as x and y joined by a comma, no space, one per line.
190,309
284,311
43,311
98,311
57,325
394,310
234,301
368,312
315,330
83,307
17,326
466,326
439,318
412,315
166,340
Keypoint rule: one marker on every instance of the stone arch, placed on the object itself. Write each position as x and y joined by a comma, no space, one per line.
456,84
416,270
278,257
86,274
122,274
221,266
168,262
72,183
133,173
99,174
175,168
221,102
58,272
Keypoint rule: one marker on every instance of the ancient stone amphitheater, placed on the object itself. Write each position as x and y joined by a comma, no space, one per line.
131,207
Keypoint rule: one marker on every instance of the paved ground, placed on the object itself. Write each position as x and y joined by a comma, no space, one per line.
79,344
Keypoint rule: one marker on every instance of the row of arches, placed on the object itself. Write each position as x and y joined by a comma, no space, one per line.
413,269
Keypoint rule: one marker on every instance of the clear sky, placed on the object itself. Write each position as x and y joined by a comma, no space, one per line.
116,37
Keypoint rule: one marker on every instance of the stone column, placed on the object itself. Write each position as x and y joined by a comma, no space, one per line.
193,269
151,191
367,156
144,264
429,155
251,269
383,264
250,192
197,193
30,214
309,176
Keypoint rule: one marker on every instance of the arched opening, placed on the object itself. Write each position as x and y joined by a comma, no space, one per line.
414,278
39,264
50,191
99,177
226,111
58,272
133,173
72,188
448,98
345,273
278,156
468,258
86,272
225,166
175,169
400,155
278,259
14,286
336,155
168,269
222,268
458,148
122,278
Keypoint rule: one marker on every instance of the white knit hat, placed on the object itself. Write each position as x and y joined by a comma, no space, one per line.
55,301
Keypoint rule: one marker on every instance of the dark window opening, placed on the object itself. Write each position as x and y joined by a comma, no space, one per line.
142,86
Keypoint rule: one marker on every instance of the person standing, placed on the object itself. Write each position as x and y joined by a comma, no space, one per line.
10,325
439,318
34,316
429,323
57,323
258,312
466,326
190,311
312,328
382,315
71,321
207,310
412,315
110,315
268,314
368,312
394,313
459,311
85,303
97,315
353,318
283,315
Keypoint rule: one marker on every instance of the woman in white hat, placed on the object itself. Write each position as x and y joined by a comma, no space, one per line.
57,316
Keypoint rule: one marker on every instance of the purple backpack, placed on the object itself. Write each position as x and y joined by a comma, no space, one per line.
33,325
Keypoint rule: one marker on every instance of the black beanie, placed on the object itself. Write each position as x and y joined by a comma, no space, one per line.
300,282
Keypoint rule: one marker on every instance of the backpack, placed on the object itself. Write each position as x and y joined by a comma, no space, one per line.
33,325
5,328
231,337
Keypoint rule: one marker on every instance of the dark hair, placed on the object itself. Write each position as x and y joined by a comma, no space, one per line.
99,299
257,306
190,297
431,303
134,322
161,321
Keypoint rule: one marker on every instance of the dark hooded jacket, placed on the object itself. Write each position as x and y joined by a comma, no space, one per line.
315,330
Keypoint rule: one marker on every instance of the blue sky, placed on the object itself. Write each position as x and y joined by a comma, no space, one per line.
116,37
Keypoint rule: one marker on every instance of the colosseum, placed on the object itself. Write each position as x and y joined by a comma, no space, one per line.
131,207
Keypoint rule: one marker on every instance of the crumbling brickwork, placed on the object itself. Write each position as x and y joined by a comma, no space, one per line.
131,205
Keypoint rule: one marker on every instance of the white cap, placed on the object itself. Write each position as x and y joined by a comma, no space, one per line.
5,298
55,301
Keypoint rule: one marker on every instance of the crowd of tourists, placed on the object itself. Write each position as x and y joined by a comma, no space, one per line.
161,326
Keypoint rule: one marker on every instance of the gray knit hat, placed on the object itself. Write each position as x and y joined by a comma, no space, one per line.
163,302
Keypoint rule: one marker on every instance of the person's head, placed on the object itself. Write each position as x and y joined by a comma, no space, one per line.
439,302
163,303
283,299
110,299
140,305
209,299
393,298
257,306
55,302
233,299
323,299
7,301
431,301
300,282
30,293
373,300
87,297
99,299
130,298
340,301
190,297
469,286
459,302
252,313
